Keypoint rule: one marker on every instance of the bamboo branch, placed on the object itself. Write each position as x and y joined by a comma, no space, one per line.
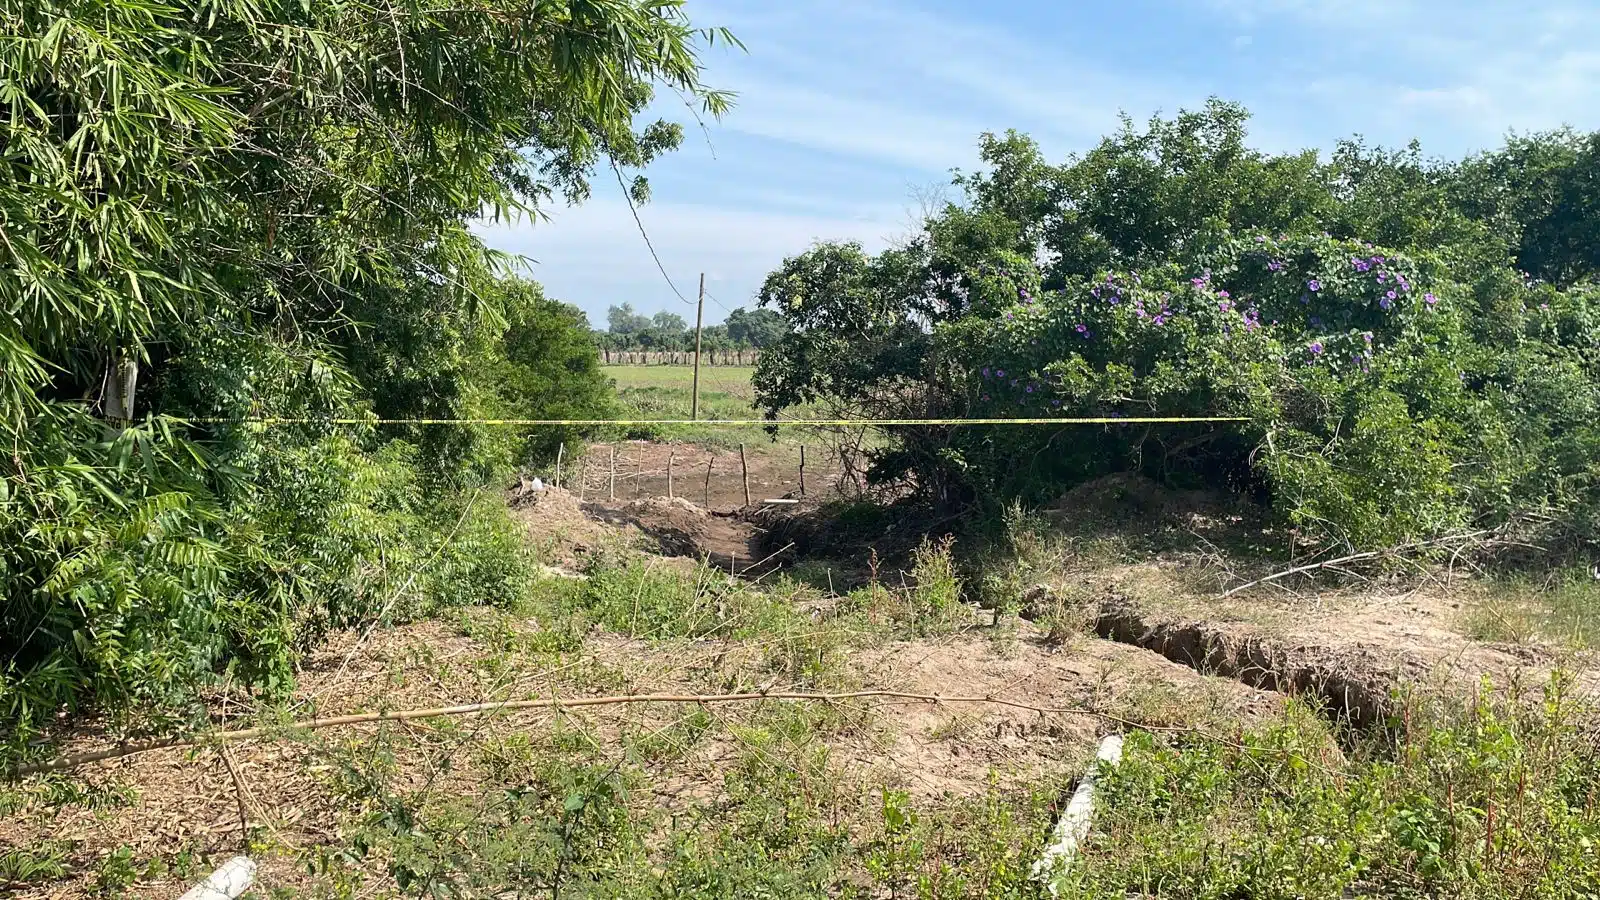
244,734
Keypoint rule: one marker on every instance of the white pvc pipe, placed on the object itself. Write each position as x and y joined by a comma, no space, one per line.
226,883
1074,824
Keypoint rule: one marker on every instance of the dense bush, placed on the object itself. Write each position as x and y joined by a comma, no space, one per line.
268,207
1390,392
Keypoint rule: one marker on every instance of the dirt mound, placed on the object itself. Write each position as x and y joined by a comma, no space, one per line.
945,749
680,528
557,527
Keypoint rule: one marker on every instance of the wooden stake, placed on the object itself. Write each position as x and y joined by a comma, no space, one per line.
744,467
611,490
671,456
802,470
711,461
699,314
561,450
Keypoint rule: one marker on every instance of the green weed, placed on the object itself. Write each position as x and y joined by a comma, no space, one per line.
1563,607
1488,802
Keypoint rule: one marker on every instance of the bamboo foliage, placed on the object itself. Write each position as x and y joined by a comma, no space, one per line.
267,204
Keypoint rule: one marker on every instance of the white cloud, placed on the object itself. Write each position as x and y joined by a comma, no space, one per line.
594,256
1440,66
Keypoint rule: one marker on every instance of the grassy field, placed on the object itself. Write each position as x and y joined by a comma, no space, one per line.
731,379
664,392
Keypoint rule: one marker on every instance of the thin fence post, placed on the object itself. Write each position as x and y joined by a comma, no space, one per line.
583,477
802,470
710,461
561,450
699,315
611,488
744,468
671,456
638,477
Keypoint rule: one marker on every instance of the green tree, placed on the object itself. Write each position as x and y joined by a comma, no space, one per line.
668,323
1397,377
268,205
758,328
623,320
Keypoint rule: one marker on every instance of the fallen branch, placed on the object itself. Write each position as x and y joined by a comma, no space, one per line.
1310,567
244,734
1354,557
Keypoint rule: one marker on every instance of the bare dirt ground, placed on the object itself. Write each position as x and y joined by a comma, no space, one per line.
291,793
642,472
1160,648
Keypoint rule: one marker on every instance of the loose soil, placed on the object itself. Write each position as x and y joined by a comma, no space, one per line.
1160,651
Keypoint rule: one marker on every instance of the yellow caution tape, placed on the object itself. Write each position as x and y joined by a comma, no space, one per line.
780,423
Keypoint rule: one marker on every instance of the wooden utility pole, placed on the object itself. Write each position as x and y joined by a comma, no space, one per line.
699,316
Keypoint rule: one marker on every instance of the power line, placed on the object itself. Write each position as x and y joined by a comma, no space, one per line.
640,224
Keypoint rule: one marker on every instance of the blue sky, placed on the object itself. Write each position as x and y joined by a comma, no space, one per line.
851,113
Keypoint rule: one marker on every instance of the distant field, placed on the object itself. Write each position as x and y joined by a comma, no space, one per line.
663,392
720,378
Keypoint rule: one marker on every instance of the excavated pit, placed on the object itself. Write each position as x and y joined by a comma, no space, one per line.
1358,692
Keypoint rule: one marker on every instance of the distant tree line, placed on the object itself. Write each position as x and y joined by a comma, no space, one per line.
628,330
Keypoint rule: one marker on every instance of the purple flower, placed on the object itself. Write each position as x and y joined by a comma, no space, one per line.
1315,348
1009,315
1366,336
1198,282
1430,299
1222,293
1030,388
1382,278
1224,305
1361,265
986,371
999,373
1314,285
1082,328
1274,266
1385,303
1261,239
1391,295
1055,402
